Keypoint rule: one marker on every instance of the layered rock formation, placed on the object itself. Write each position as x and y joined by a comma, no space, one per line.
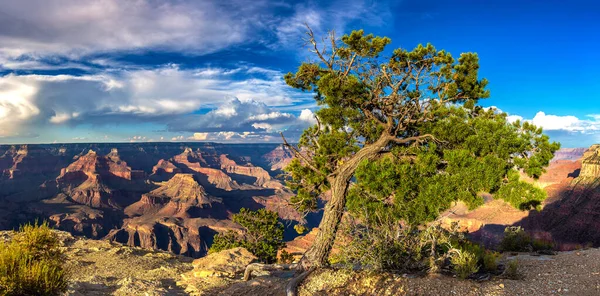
570,154
590,165
97,181
278,158
255,175
168,196
173,198
192,161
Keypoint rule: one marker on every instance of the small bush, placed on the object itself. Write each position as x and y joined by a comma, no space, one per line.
32,263
540,245
490,261
262,235
517,240
300,229
512,270
464,263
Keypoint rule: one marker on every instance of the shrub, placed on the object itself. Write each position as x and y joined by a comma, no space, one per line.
490,260
262,235
464,263
386,245
32,263
512,270
515,240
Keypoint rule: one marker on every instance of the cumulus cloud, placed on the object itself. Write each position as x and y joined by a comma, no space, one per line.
239,116
75,63
566,123
74,27
139,96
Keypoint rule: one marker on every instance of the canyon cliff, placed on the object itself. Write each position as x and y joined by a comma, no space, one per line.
170,196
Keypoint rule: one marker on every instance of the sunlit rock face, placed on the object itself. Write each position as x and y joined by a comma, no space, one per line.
192,161
99,181
278,158
590,164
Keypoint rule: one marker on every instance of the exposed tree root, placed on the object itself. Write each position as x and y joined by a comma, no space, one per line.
291,289
266,267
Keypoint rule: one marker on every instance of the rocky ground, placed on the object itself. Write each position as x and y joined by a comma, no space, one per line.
99,267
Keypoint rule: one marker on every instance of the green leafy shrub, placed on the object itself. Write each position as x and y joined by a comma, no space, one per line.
464,263
521,195
490,260
515,240
32,263
262,235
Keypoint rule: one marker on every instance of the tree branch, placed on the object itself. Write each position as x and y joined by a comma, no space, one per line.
411,139
300,155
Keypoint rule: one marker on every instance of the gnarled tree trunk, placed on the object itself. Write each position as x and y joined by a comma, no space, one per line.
317,254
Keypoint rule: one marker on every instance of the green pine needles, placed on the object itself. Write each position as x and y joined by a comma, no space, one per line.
262,235
401,133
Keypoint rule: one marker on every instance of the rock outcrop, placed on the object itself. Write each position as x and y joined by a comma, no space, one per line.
590,165
278,158
173,198
96,181
193,161
257,175
169,234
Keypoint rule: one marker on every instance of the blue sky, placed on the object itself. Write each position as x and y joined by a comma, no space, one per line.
118,71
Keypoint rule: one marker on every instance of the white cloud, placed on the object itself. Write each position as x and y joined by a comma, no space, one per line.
138,96
199,137
308,116
567,123
72,27
261,125
555,122
268,116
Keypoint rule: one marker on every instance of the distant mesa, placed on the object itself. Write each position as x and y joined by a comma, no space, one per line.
193,161
99,181
173,198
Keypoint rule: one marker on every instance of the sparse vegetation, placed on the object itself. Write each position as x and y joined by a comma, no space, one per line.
32,263
300,229
262,235
490,260
517,240
512,270
464,263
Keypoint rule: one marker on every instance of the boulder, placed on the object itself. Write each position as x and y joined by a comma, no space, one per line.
227,263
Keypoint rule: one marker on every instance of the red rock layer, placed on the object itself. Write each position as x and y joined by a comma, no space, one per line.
278,158
192,161
262,177
95,180
173,198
